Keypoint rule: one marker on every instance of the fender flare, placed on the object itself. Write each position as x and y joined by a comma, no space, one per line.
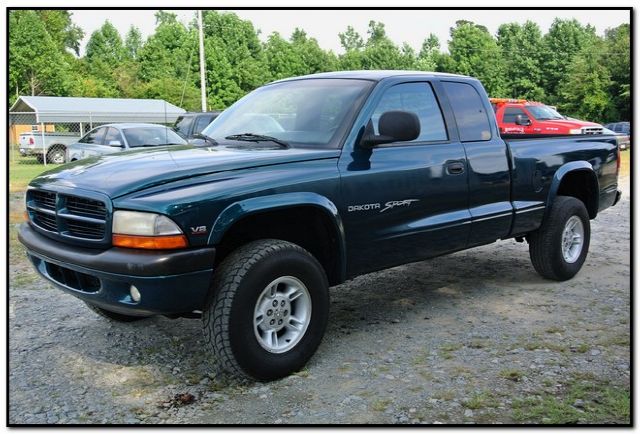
251,206
558,176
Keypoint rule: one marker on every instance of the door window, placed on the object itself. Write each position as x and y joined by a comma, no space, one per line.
94,137
112,135
416,98
510,114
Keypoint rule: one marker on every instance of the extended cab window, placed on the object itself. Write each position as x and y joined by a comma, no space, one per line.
417,98
471,116
94,137
510,113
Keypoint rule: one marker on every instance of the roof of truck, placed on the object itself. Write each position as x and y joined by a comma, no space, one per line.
375,75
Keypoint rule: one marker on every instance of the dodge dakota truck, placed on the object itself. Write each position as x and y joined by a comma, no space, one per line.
301,185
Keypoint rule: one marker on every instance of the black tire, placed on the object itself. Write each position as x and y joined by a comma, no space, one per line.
40,159
113,316
228,319
545,244
57,154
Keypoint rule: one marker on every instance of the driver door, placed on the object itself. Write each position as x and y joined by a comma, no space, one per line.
405,201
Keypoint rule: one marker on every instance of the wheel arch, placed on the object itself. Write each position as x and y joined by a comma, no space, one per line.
576,179
283,216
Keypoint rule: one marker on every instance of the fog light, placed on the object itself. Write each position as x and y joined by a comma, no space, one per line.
135,294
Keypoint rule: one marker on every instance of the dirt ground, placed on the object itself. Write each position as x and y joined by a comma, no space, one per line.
474,337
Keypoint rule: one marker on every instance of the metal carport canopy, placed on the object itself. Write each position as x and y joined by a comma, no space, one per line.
53,109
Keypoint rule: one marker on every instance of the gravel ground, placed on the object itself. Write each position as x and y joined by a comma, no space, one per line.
474,337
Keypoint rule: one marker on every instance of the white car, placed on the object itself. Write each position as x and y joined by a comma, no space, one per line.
111,138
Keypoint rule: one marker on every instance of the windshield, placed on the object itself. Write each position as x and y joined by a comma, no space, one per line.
313,112
150,136
543,112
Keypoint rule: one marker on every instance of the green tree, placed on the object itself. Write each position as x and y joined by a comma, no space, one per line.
105,44
64,33
104,54
616,56
429,52
314,59
584,91
473,51
565,39
351,40
522,47
281,57
133,42
232,45
37,66
163,17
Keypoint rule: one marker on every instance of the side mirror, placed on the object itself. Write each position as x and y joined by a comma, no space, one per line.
393,126
523,120
115,143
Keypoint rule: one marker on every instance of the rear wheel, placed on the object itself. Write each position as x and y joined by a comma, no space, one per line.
559,248
113,316
268,311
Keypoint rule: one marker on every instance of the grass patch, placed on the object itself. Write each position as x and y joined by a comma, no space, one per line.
554,329
478,343
304,373
426,375
444,395
582,348
447,349
22,172
598,403
511,374
484,399
619,340
380,404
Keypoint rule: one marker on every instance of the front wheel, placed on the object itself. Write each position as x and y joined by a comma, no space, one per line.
559,248
268,312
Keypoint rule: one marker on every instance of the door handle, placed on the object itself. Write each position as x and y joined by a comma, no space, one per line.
455,168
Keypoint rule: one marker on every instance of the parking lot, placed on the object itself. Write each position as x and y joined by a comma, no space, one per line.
476,336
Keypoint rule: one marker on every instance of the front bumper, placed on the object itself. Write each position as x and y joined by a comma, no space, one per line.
170,282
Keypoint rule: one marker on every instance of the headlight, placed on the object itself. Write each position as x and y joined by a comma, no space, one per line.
145,230
576,131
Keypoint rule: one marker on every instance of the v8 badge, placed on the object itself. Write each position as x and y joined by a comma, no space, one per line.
198,230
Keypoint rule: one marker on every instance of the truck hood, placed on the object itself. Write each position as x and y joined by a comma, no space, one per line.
570,123
126,172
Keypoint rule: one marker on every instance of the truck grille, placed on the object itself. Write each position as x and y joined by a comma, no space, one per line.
44,199
86,207
45,220
591,130
68,215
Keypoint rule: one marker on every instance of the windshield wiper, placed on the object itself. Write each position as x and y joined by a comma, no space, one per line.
206,138
251,137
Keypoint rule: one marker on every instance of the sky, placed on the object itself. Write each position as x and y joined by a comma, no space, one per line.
411,26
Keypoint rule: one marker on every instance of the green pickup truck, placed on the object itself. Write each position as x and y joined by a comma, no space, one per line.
302,185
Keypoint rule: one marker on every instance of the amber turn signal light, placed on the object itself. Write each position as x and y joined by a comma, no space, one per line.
153,243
